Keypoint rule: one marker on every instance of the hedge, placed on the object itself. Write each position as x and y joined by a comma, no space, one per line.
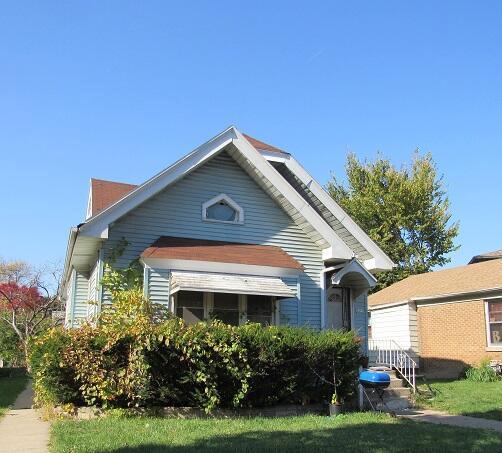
130,361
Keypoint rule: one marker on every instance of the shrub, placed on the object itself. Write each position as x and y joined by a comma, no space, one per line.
129,359
482,373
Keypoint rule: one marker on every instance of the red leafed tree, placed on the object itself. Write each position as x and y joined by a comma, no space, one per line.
26,302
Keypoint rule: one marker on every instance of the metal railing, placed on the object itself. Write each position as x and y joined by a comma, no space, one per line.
389,353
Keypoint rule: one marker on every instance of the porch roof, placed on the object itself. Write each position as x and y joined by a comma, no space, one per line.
229,283
176,248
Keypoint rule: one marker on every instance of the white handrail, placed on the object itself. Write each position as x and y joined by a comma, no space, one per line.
391,354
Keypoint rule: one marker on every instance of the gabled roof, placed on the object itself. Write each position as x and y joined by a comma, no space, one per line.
256,158
168,247
471,278
104,193
497,254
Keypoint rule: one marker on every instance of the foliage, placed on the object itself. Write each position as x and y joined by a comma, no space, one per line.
482,373
11,348
115,279
131,359
406,211
295,365
27,302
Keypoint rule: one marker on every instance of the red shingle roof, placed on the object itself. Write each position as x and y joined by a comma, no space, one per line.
169,247
105,193
258,144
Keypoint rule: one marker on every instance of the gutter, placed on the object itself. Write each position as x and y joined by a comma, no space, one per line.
69,252
437,297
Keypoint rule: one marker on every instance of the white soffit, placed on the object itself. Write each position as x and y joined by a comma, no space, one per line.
380,260
229,283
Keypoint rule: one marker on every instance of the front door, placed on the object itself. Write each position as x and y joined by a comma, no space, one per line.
338,307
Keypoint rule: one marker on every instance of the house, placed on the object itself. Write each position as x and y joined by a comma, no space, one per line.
237,230
446,320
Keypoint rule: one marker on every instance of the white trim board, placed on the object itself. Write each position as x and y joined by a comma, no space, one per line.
220,267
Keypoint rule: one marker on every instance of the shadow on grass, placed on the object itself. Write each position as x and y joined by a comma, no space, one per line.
495,414
374,437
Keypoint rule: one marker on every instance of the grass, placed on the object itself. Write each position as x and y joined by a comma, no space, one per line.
10,387
476,399
350,432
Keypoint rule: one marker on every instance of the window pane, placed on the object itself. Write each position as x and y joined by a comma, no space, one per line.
263,320
226,308
495,311
259,305
227,316
190,315
190,299
221,211
496,333
226,301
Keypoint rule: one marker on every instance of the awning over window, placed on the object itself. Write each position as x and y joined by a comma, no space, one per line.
229,283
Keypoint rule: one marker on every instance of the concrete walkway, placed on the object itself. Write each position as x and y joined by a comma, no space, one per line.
21,430
443,418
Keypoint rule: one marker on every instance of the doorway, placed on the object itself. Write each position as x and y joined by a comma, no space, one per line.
338,308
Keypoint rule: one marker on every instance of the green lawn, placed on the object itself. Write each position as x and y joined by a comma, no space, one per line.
361,432
477,399
10,387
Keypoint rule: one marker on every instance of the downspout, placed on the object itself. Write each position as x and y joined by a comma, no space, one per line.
73,296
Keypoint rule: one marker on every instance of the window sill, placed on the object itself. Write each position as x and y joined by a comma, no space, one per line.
494,349
228,222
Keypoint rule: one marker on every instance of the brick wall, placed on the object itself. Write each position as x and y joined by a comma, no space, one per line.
452,336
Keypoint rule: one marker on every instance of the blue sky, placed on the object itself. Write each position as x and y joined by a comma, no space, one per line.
119,90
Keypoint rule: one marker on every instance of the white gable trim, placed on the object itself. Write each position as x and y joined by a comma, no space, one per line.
227,200
316,221
97,226
380,260
354,266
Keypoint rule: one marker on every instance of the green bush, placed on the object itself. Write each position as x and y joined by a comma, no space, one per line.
129,360
482,373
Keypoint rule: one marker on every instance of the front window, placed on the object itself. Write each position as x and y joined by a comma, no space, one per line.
233,309
494,322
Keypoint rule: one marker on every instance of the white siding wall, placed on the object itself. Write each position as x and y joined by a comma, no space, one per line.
176,211
398,323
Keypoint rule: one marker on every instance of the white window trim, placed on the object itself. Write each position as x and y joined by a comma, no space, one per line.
227,200
489,344
208,303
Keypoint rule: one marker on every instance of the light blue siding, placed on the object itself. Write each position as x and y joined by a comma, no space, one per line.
176,211
80,297
360,316
289,308
157,286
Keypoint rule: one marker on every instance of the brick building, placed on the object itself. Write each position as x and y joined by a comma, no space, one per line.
446,320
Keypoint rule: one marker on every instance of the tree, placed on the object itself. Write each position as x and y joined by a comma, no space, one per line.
405,211
27,301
